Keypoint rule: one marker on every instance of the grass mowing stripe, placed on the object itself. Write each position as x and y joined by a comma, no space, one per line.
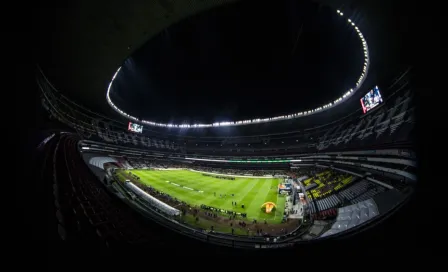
270,196
248,191
201,183
278,205
180,193
249,197
237,187
264,195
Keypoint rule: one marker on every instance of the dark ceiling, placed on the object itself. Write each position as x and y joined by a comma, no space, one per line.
235,62
80,44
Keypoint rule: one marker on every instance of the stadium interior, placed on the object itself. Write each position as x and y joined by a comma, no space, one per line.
120,177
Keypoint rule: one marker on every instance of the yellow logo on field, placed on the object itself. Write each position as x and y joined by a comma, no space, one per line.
268,207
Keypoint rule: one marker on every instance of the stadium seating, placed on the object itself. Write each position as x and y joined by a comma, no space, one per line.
324,204
352,216
361,191
390,125
359,134
327,182
85,207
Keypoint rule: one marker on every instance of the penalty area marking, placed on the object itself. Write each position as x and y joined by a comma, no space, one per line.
185,187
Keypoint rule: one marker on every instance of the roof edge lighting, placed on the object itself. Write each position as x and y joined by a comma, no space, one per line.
337,101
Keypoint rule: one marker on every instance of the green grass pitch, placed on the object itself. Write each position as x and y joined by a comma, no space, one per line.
252,192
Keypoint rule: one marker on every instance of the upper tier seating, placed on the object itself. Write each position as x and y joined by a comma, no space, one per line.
384,119
360,191
389,125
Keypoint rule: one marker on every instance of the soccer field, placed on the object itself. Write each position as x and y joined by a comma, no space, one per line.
252,192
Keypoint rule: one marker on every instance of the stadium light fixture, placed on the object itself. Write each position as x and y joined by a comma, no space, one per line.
245,122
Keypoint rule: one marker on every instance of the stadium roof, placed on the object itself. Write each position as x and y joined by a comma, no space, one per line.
81,49
232,63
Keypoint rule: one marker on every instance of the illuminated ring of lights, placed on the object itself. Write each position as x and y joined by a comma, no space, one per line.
264,120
